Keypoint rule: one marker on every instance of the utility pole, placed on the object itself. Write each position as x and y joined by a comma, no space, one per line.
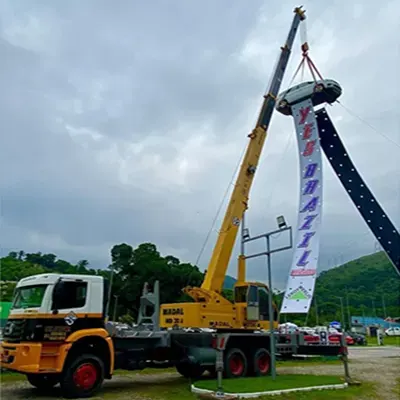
316,311
384,307
342,312
115,307
348,309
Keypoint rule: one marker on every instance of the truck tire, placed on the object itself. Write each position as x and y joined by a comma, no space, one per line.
235,363
43,381
82,377
192,371
261,361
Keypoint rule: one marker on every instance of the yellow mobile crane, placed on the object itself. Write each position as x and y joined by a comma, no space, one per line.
250,307
56,332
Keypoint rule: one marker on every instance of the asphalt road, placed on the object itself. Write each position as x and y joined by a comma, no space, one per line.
374,364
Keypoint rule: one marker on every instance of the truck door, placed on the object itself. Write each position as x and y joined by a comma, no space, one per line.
252,303
70,297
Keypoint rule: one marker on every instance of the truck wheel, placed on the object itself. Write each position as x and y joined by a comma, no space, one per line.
261,362
191,371
43,381
82,377
235,363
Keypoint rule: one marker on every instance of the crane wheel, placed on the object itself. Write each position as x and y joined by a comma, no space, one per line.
261,362
235,363
82,377
43,381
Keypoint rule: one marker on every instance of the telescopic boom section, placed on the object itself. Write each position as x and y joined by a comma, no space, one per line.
218,265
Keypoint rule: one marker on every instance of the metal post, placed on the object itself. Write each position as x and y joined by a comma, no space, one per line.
345,359
220,369
342,310
271,313
316,312
115,307
348,310
109,292
268,253
384,307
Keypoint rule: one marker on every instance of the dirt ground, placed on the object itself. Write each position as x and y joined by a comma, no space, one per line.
379,365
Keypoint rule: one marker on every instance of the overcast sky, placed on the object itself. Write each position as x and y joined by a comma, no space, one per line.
124,122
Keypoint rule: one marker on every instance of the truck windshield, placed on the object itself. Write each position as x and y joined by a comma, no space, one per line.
29,296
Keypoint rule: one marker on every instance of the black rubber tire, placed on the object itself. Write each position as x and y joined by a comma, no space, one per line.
43,381
192,371
69,389
229,355
257,371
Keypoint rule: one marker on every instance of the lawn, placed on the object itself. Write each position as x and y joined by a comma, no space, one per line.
180,389
8,376
247,385
387,341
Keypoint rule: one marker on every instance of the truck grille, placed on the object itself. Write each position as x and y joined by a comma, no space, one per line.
14,330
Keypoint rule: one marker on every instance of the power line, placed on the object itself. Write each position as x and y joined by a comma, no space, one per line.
368,124
219,208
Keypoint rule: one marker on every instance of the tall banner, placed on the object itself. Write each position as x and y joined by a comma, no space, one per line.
303,272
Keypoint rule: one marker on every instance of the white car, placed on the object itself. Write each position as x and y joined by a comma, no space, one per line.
322,91
394,331
307,330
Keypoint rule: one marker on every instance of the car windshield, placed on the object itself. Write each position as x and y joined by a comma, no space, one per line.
29,296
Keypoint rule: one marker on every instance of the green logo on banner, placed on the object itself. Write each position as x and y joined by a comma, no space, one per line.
299,294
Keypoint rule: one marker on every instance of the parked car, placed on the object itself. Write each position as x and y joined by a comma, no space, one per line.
394,331
307,330
335,338
358,338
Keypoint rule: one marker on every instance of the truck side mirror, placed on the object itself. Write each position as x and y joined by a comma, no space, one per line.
58,293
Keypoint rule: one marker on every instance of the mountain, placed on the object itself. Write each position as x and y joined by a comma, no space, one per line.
366,286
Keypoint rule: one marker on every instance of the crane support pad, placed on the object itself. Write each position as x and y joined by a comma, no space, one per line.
369,208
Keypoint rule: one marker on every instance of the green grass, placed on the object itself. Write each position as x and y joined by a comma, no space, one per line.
396,389
387,341
246,385
179,388
366,391
146,371
298,362
7,376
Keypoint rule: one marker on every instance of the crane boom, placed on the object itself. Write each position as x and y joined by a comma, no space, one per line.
214,279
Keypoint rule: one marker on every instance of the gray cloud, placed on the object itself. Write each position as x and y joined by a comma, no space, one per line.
125,122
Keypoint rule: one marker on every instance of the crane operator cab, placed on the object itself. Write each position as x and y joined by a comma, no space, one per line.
253,298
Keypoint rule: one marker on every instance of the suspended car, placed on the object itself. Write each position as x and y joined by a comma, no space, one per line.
321,91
